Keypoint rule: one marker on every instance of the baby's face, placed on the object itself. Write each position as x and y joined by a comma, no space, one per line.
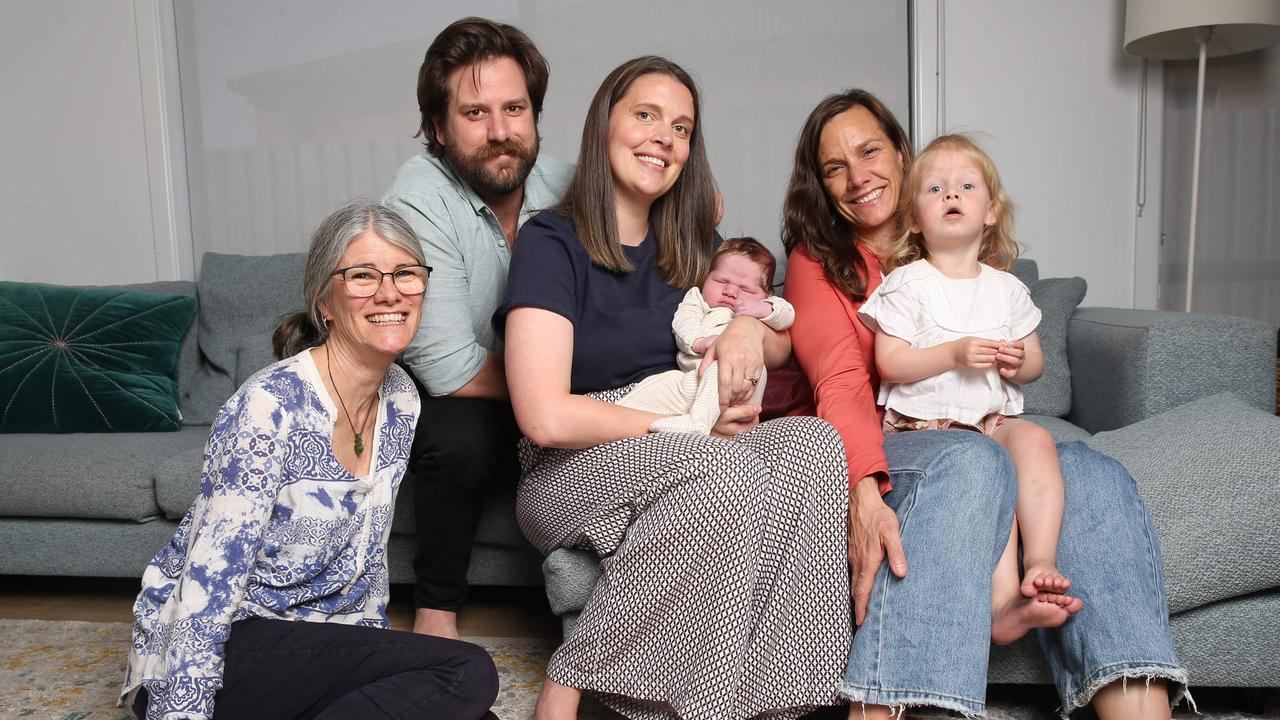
733,278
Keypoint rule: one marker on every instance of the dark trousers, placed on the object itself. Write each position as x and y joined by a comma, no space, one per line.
280,669
462,448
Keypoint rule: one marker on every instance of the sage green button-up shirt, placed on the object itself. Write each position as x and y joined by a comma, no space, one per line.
469,254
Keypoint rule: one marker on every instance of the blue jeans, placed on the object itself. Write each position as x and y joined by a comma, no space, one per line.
926,638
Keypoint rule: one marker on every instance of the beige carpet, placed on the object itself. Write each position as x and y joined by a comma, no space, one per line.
71,671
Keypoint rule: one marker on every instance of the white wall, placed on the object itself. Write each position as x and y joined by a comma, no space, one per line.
1050,93
1047,83
295,106
76,180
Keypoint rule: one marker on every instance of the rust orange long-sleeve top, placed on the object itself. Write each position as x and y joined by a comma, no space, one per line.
836,354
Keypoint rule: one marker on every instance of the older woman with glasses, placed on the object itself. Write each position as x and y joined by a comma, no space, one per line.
270,600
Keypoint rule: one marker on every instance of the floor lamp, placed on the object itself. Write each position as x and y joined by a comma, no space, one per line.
1185,29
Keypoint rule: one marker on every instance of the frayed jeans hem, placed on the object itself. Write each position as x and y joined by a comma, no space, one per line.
1104,676
900,700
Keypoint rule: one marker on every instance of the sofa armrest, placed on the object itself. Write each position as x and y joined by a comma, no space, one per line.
1128,365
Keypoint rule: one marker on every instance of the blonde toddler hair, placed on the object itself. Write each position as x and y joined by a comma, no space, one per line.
999,249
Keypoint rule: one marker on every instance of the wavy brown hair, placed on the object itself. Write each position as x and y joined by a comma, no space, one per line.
466,42
999,249
682,220
810,218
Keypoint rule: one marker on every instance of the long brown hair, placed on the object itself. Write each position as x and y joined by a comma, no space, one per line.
682,220
999,249
810,218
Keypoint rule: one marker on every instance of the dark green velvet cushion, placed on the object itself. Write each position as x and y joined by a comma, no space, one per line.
78,359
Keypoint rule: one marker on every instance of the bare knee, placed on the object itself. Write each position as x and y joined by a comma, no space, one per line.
1025,439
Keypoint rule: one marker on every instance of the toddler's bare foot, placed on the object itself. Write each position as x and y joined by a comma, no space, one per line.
1043,578
1017,618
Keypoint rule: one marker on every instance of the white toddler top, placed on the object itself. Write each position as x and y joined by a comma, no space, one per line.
919,304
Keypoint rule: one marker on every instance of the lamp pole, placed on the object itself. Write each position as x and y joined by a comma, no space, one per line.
1202,37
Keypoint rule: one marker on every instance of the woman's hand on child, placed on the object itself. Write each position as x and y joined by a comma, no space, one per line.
750,307
1009,357
975,352
735,420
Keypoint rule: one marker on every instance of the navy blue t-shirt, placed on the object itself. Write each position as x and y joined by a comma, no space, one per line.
621,321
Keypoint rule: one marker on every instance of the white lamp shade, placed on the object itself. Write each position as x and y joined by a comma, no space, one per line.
1167,29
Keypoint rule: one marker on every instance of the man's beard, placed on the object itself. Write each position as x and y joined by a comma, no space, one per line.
474,171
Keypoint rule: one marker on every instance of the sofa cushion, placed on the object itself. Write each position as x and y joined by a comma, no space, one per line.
189,353
178,480
571,575
89,359
1028,271
1207,471
87,475
242,298
1057,299
1061,430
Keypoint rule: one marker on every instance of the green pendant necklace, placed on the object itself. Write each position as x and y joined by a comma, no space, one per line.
359,441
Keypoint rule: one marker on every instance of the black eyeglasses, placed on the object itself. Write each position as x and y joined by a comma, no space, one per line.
363,281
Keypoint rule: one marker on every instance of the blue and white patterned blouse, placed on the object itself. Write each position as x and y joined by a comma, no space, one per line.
280,530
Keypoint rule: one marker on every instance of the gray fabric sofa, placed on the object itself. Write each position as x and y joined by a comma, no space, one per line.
1148,388
102,504
1185,402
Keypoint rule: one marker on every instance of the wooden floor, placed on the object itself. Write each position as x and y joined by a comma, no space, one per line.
491,611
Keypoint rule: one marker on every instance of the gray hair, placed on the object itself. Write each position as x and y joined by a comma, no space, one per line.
329,243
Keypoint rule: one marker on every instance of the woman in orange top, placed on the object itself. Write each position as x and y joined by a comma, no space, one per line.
930,512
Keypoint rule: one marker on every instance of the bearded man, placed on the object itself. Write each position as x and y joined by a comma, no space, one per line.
480,92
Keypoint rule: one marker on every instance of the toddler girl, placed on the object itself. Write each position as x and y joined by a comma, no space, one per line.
741,271
955,337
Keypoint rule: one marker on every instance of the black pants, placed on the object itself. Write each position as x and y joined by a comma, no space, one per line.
462,448
278,669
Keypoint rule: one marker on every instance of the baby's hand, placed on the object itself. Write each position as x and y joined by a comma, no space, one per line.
1009,357
702,344
758,309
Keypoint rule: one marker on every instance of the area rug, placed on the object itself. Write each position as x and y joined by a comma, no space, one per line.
67,670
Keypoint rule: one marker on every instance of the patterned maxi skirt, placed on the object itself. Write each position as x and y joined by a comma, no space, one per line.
724,592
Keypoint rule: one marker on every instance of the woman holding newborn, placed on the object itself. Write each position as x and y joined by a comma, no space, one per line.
722,555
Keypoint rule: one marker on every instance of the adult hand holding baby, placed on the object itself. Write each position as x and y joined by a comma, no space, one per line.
740,352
